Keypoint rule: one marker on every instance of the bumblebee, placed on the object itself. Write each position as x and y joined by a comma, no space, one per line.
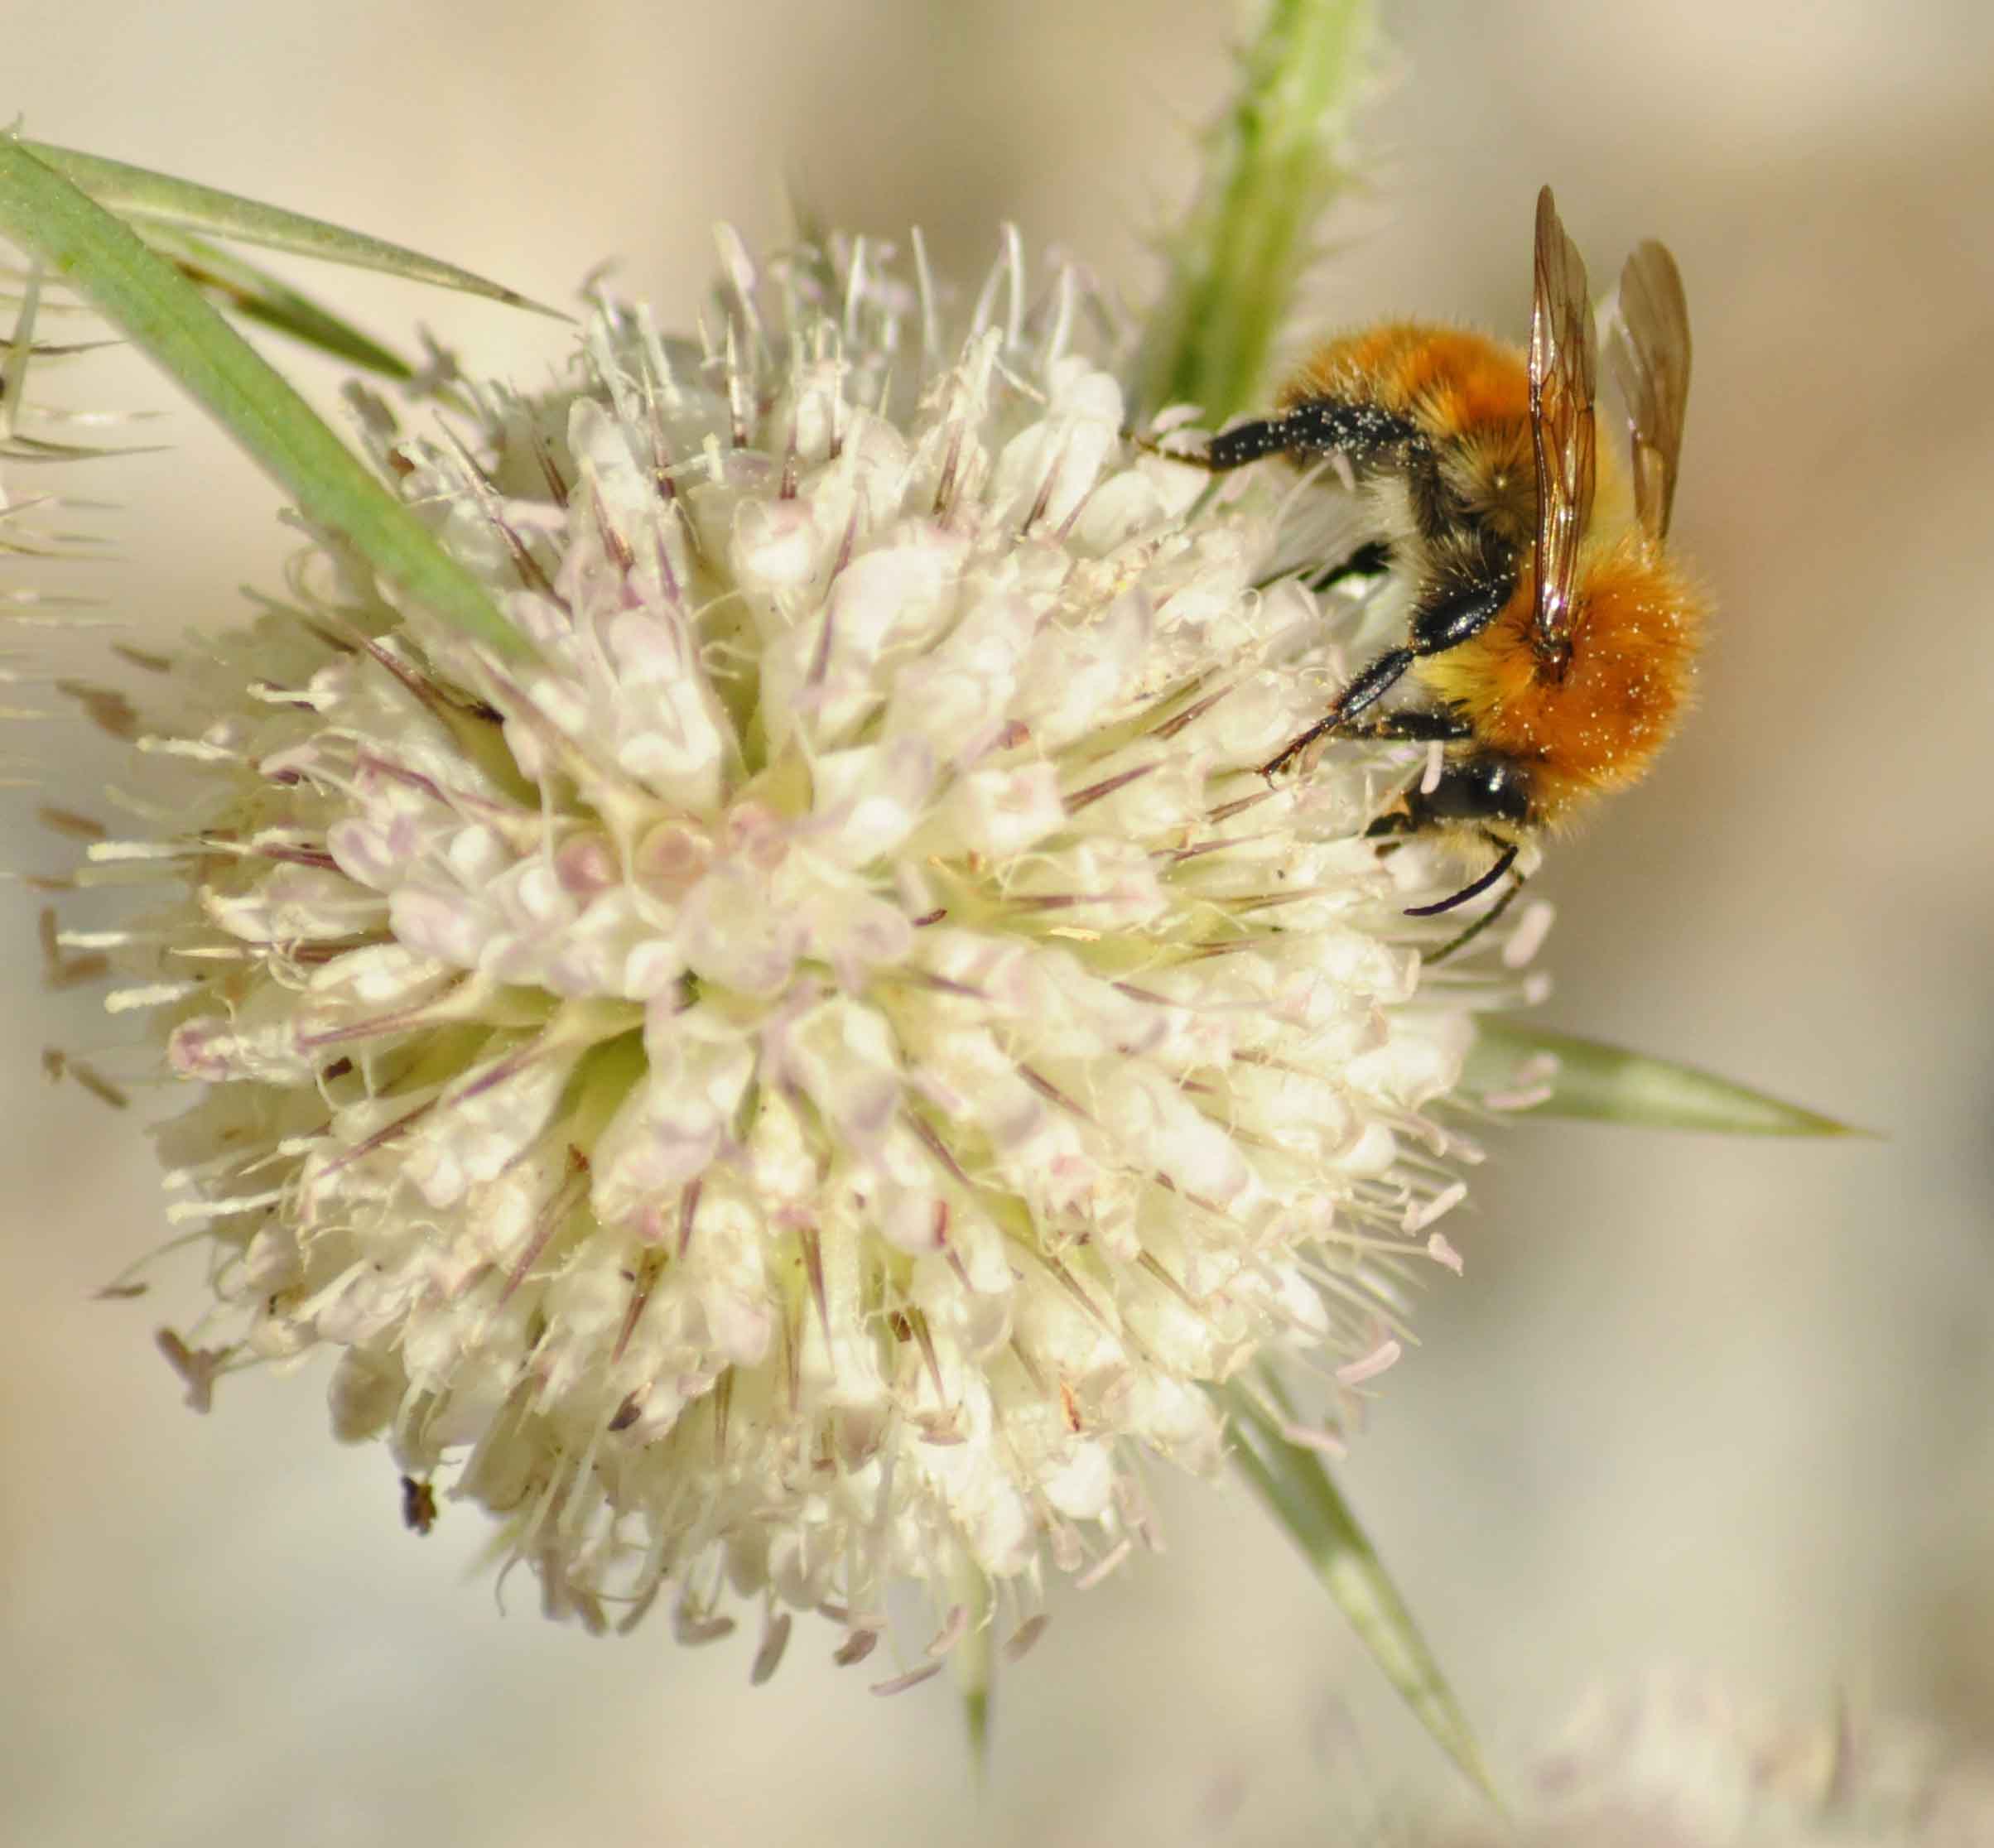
1552,641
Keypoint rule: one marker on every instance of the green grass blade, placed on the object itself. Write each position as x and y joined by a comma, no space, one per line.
164,314
254,294
1299,1492
1607,1084
138,194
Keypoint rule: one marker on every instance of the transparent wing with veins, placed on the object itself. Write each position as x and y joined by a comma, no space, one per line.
1564,366
1647,347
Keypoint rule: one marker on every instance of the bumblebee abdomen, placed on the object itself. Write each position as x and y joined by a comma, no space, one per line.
1591,717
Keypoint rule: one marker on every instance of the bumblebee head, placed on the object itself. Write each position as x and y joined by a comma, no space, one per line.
1481,795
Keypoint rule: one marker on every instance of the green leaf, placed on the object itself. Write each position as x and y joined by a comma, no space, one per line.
164,314
1298,1490
136,194
253,293
1606,1083
1271,164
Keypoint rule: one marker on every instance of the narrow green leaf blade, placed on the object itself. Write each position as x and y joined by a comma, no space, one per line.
245,289
1607,1084
139,195
1299,1492
164,314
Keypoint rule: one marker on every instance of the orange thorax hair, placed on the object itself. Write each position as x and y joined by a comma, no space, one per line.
1445,378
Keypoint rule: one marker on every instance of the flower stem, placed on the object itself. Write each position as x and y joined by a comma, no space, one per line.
1272,161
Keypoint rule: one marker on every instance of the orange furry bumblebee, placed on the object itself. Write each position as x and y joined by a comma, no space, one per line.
1552,642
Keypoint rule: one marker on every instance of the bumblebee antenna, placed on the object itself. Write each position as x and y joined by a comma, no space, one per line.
1478,926
1504,862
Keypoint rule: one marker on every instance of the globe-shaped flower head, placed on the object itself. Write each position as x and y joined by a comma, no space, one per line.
805,1079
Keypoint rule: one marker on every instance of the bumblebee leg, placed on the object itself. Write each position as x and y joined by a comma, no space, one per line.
1460,613
1366,690
1247,442
1244,443
1370,436
1414,726
1367,560
1446,622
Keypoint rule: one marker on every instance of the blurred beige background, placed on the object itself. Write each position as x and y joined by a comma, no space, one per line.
1718,1404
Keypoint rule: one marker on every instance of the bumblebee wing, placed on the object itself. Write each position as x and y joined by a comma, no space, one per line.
1647,347
1564,368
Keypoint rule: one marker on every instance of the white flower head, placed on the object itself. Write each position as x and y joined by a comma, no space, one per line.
802,1083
